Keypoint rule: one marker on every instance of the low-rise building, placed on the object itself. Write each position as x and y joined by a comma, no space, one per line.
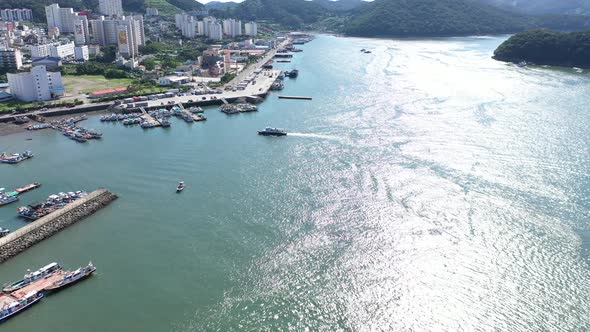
36,85
51,63
81,53
173,80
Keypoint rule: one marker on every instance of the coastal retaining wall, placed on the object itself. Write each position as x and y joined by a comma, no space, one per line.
42,228
58,112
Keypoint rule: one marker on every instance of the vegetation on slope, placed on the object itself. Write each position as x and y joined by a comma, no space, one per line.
544,6
545,47
289,13
432,18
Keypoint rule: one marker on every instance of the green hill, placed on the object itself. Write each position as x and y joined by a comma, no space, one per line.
545,47
432,18
289,13
542,7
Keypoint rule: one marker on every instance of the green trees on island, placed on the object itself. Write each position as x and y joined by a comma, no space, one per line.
545,47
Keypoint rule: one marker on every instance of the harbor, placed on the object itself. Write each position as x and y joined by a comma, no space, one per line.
49,224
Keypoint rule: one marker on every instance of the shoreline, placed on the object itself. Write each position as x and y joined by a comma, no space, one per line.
10,128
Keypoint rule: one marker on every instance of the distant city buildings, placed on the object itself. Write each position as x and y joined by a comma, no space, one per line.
65,19
210,27
127,33
251,29
36,85
232,28
110,7
16,15
11,59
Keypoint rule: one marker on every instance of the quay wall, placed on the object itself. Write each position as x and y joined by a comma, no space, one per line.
42,228
57,112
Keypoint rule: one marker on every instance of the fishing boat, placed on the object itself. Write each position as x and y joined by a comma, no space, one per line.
4,232
180,187
5,200
28,187
32,276
72,277
52,203
269,131
292,74
245,107
16,307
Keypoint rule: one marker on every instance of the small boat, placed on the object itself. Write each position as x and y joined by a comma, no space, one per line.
72,277
5,200
292,74
367,52
32,276
16,307
268,131
4,232
180,187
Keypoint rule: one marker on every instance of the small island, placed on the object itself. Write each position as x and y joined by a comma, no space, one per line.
546,47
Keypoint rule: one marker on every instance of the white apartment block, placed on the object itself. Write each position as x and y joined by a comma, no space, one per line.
11,59
37,85
63,49
81,53
215,31
81,32
64,18
187,24
110,7
251,29
127,33
232,27
16,14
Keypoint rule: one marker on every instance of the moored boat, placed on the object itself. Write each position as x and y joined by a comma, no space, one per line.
4,232
9,310
32,276
180,187
5,200
269,131
72,277
28,187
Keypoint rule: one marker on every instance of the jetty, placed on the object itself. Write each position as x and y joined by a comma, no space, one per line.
43,228
149,119
295,97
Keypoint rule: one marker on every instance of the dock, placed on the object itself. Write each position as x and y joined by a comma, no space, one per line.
43,228
295,97
149,118
39,285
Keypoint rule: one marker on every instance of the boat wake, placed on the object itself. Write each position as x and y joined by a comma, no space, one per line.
336,138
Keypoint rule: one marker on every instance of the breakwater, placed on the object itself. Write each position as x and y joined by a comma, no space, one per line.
18,241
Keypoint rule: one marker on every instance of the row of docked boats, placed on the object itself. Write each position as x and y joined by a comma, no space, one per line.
53,203
15,158
22,294
13,196
79,134
238,108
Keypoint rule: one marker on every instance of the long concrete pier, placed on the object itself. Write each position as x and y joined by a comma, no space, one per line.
42,228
